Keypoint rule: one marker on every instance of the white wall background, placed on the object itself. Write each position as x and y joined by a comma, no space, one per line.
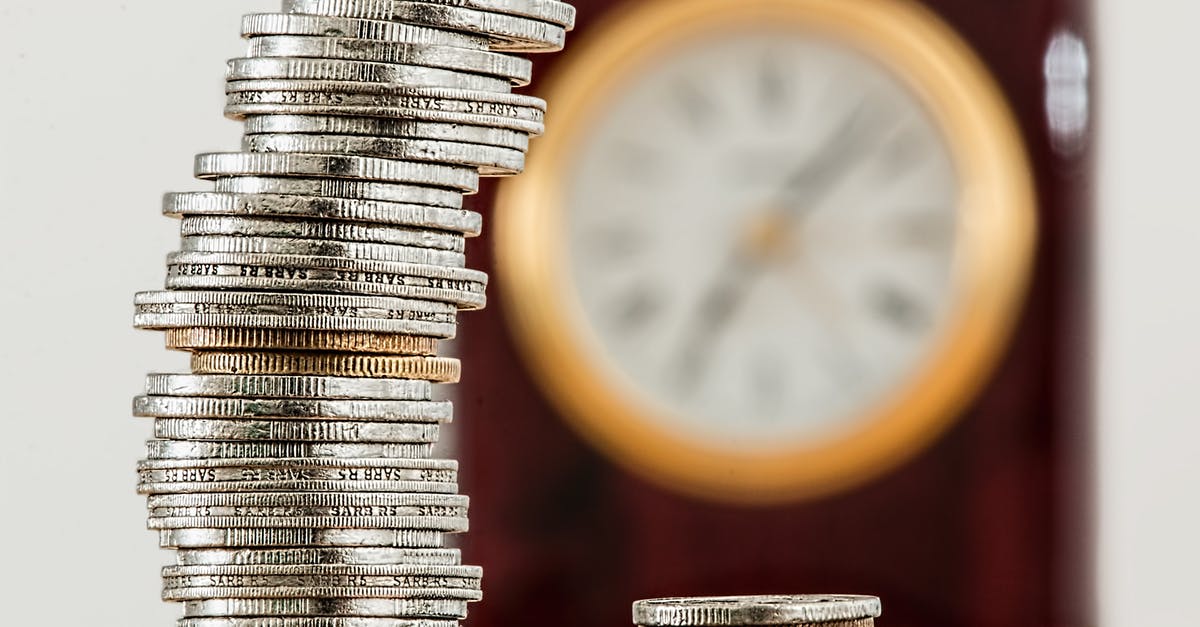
102,106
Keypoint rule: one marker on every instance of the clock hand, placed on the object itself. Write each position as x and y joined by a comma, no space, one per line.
715,310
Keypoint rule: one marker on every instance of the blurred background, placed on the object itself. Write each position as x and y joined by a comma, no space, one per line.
861,297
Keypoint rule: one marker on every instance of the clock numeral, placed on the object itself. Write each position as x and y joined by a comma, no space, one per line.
899,308
635,307
772,88
634,161
925,230
698,107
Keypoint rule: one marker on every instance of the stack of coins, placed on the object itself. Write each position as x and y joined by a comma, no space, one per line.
292,467
806,610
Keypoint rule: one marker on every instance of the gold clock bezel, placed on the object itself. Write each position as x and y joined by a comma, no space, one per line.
996,231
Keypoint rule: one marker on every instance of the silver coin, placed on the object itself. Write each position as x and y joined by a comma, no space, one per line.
468,223
502,107
287,386
553,11
194,451
437,412
321,248
428,504
296,68
336,485
462,576
444,524
310,556
381,127
341,188
489,160
225,164
328,537
257,24
296,431
399,108
328,275
737,611
303,591
319,312
516,69
321,229
510,32
516,106
315,621
408,608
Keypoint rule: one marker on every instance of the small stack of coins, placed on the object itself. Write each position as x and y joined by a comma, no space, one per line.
291,468
805,610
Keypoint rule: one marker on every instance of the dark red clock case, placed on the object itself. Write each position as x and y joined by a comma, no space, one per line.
988,528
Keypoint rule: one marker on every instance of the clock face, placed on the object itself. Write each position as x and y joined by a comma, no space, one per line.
761,234
769,249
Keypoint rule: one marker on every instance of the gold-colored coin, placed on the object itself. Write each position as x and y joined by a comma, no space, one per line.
216,338
435,369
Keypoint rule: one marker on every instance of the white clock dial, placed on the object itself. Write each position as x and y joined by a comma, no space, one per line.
761,232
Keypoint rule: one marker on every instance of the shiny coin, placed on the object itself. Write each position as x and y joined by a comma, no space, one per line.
436,369
468,223
509,32
464,288
314,621
340,556
321,248
304,591
294,430
222,164
321,229
381,127
489,160
294,387
161,519
296,68
438,412
190,451
327,537
392,193
318,312
737,611
257,24
516,69
409,608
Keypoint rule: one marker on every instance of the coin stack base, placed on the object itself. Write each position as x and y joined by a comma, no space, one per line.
292,467
803,610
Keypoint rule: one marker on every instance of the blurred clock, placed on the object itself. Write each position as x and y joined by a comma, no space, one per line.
769,248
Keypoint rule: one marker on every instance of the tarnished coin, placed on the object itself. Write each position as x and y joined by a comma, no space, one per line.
516,69
256,24
737,611
321,229
288,206
185,450
382,128
283,339
287,386
438,412
327,537
296,430
279,557
408,608
224,164
296,68
436,369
